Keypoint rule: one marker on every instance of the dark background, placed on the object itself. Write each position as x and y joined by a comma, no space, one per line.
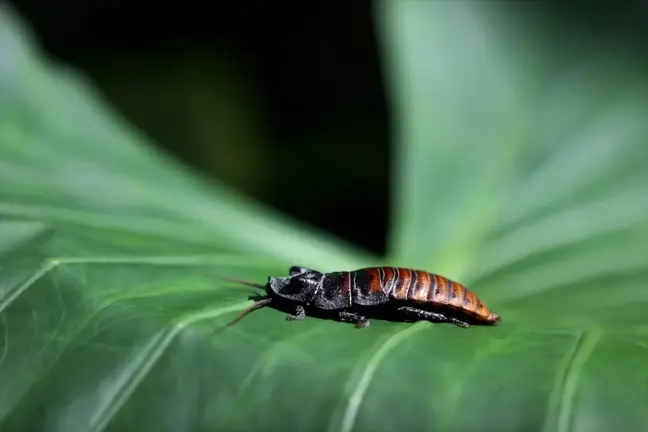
285,100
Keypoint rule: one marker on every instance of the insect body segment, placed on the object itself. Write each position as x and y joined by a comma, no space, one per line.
412,294
419,291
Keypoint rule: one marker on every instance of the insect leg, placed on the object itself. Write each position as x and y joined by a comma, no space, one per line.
300,314
358,320
458,322
433,316
420,313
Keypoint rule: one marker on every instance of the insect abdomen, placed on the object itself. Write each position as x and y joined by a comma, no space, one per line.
368,286
416,286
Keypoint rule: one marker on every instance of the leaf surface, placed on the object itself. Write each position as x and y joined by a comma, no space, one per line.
529,186
525,177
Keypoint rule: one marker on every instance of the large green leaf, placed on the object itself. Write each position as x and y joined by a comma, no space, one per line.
66,160
526,177
531,186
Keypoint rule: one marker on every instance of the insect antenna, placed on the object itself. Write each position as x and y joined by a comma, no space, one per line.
257,305
244,282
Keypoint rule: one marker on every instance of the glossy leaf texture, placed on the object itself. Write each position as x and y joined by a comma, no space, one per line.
524,180
523,173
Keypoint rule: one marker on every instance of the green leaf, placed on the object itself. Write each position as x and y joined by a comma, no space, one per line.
506,156
525,177
522,175
68,161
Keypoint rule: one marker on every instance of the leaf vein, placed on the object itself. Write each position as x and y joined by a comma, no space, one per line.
162,260
130,378
564,393
357,395
45,268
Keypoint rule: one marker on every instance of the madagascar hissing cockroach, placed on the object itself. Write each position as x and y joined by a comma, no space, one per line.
414,293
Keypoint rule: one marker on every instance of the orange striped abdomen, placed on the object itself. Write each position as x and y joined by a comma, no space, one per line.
422,287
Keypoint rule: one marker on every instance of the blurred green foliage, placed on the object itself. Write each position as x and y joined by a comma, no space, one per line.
520,170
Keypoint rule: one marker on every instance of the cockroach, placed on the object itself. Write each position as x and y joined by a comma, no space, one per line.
412,293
